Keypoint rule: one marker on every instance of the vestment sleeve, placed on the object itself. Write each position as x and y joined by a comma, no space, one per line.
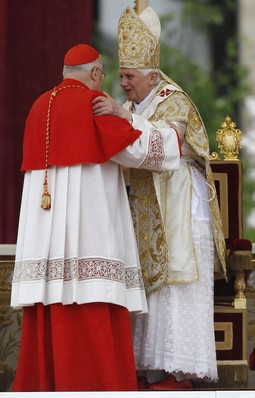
157,148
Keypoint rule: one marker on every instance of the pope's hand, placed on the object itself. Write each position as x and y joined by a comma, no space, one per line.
108,106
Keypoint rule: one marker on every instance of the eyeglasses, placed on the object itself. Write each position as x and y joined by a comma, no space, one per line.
100,70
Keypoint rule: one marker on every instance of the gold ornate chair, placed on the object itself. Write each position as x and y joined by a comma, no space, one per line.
230,313
228,177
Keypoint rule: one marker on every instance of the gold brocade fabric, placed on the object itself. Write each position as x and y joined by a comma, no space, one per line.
171,104
149,229
138,47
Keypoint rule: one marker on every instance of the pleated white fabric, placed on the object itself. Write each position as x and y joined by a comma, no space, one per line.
82,250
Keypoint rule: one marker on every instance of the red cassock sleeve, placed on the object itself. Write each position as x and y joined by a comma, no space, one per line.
76,135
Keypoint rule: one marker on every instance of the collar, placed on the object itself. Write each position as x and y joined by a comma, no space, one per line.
70,82
143,104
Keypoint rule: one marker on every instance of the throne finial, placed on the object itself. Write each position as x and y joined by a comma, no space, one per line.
229,138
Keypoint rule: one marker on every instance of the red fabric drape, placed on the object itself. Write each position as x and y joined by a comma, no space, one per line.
75,347
34,37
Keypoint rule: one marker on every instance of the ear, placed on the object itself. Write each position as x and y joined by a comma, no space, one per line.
153,78
93,74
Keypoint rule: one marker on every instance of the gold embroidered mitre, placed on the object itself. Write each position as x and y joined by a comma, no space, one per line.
138,38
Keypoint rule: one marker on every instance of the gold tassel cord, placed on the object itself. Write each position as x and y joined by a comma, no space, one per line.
46,197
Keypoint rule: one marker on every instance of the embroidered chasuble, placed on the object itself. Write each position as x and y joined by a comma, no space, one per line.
167,253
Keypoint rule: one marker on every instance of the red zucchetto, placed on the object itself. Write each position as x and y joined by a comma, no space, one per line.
80,54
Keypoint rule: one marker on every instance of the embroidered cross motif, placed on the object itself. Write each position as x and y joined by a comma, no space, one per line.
165,92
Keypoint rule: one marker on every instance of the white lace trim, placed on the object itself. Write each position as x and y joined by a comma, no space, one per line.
178,333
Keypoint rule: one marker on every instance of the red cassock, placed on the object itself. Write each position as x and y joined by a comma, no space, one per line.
85,347
76,135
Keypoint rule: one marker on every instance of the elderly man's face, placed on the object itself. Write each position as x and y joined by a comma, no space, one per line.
136,85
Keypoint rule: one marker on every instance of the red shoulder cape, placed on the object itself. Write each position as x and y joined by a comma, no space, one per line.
76,135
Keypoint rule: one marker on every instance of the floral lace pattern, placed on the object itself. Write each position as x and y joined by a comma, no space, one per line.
154,159
178,334
81,269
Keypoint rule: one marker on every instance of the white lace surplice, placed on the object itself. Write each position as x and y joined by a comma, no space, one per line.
177,334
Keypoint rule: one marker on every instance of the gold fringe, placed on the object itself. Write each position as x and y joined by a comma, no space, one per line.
240,260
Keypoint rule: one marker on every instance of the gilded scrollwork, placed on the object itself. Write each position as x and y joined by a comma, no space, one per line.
229,138
6,271
10,326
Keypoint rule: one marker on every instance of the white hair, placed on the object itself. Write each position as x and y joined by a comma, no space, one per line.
83,67
145,72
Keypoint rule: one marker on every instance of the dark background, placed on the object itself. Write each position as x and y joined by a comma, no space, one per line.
34,37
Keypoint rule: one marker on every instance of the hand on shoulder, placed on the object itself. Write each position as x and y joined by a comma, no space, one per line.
105,105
